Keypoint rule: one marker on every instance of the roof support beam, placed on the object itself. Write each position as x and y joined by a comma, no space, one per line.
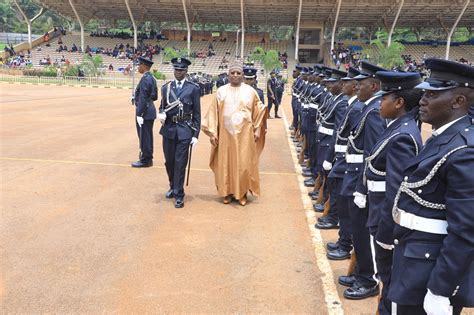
135,35
334,26
242,21
389,41
80,24
297,37
448,43
28,21
188,38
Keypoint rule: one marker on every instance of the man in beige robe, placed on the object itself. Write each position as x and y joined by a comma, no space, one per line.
234,124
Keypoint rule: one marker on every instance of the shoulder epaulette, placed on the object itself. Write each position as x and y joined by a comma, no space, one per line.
193,83
468,135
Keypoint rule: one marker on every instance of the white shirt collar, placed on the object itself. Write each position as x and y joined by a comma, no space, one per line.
441,129
182,82
370,100
352,99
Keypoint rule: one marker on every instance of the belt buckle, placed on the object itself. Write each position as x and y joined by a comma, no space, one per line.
174,119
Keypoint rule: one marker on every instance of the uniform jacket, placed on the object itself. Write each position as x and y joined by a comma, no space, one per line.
331,116
398,145
190,96
364,135
444,263
145,93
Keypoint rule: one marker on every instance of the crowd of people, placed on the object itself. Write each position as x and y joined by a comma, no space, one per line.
403,208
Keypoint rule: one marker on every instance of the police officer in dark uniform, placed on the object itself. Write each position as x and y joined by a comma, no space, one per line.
395,148
360,143
145,93
280,87
223,80
433,261
272,94
250,78
180,114
336,157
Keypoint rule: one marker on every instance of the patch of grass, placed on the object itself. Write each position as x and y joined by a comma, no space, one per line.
2,45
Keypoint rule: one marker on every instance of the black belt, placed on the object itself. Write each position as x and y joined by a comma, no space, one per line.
184,117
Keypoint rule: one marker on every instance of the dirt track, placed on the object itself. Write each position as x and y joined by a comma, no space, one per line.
82,232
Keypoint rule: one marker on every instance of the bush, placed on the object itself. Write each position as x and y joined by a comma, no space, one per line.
159,75
71,71
49,71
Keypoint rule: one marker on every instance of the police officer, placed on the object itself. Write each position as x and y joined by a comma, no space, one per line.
395,148
223,80
336,156
360,143
272,94
250,78
180,114
433,262
145,93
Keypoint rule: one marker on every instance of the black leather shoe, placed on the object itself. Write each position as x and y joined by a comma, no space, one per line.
169,194
359,292
142,164
338,254
313,193
179,203
347,281
326,225
323,219
332,245
318,207
309,182
307,173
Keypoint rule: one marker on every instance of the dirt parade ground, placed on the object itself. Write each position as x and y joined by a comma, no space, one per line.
83,232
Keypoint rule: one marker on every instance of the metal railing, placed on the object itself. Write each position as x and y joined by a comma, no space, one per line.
81,81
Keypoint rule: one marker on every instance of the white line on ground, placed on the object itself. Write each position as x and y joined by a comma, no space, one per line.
331,296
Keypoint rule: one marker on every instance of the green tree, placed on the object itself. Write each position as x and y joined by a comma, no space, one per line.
387,57
92,65
170,53
268,59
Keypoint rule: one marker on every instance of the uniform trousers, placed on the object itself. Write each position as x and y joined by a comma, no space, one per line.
363,246
270,103
176,158
145,138
345,228
384,259
334,186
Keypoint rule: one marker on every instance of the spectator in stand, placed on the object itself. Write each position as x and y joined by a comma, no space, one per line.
60,41
111,67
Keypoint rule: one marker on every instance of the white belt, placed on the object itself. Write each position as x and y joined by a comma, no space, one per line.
314,106
376,186
354,158
326,130
414,222
294,94
340,148
305,105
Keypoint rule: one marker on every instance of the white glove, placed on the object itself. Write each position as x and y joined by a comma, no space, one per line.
140,120
161,117
385,246
437,304
360,200
194,141
327,165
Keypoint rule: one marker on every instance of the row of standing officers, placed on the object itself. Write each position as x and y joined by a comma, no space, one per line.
405,210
